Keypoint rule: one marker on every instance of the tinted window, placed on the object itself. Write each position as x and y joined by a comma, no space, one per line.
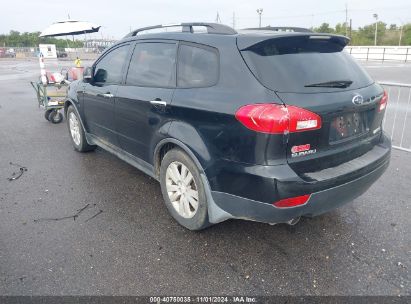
109,68
153,65
197,67
289,64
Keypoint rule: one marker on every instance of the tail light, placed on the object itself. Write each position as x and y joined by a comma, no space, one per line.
292,201
277,119
383,102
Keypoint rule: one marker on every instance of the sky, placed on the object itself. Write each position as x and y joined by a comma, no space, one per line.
118,17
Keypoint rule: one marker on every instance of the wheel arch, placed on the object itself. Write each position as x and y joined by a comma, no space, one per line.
185,136
168,144
215,213
70,102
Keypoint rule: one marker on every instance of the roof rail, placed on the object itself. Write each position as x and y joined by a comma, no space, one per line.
212,28
282,29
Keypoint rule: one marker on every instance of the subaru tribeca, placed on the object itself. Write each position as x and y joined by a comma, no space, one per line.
265,125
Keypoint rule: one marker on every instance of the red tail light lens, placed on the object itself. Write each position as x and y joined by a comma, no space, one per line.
383,102
266,118
292,201
277,119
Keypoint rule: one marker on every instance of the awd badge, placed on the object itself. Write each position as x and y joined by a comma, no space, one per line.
302,150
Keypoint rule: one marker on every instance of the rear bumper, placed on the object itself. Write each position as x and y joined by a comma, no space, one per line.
326,194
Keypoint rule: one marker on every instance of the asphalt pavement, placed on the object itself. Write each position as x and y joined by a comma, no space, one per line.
124,242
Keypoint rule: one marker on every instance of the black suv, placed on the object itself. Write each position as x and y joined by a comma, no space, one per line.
266,125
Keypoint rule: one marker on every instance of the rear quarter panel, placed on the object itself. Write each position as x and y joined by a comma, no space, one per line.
204,118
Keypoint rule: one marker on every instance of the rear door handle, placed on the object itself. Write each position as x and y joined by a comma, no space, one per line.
158,102
106,95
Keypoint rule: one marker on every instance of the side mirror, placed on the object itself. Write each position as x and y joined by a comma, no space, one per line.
88,75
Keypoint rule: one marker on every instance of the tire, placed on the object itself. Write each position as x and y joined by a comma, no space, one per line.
47,114
194,219
76,132
55,117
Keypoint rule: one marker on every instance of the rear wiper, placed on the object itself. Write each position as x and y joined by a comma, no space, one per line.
331,84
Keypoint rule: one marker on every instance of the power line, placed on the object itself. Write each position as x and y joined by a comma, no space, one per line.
296,16
238,21
346,10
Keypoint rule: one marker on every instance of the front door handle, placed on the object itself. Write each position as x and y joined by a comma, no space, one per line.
106,95
158,102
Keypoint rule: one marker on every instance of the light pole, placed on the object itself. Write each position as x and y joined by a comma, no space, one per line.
259,12
376,28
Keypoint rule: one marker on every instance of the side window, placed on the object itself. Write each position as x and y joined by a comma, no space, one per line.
153,65
109,68
197,66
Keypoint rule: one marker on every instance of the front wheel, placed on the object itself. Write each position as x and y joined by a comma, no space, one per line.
77,135
183,190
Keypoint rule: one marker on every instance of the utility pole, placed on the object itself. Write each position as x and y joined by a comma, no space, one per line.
399,42
350,30
218,19
233,20
259,12
376,28
346,19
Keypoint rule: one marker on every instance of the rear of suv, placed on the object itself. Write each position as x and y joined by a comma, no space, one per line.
264,125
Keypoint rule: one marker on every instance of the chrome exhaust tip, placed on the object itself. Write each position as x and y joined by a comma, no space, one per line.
294,221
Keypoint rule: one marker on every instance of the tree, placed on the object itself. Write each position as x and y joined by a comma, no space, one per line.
406,34
340,28
324,28
386,35
17,39
367,33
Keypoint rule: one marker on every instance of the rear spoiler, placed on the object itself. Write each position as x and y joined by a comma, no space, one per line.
247,40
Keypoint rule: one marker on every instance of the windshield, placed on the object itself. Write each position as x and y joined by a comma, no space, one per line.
304,64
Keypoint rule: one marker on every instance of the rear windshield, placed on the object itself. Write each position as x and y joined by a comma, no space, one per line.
292,64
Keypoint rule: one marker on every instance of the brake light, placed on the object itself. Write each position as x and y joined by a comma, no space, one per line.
277,119
292,201
383,102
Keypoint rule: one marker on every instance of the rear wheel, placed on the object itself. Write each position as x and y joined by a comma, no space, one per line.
183,190
55,117
47,114
77,135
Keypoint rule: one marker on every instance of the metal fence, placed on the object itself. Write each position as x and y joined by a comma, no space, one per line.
366,53
397,120
33,52
380,53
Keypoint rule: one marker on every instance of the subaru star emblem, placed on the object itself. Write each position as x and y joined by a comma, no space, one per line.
357,99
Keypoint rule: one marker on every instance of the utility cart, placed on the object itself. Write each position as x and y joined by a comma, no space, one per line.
51,97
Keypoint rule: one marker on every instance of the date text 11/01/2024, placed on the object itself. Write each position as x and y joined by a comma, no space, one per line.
203,299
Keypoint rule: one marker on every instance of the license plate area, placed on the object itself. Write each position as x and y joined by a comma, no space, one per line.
348,125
